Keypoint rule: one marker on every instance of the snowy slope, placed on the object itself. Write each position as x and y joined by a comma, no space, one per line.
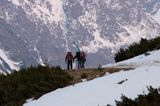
105,90
138,61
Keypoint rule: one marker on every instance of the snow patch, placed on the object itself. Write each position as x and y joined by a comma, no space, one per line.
83,80
16,2
40,61
5,56
134,32
156,16
1,72
48,11
89,21
29,100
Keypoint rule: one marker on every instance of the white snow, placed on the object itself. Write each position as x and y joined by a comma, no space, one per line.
13,65
105,90
89,21
40,61
16,2
1,72
156,17
138,61
136,31
41,10
51,13
48,11
65,32
29,100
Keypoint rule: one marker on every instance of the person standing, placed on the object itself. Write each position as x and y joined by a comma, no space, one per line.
69,60
83,59
77,56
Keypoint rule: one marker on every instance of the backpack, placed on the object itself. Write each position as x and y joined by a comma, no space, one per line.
83,56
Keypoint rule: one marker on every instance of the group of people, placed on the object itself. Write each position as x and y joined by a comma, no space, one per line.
80,58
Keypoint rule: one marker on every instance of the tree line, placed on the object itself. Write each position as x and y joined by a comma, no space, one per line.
136,49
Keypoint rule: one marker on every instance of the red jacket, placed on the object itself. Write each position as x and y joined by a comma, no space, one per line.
69,57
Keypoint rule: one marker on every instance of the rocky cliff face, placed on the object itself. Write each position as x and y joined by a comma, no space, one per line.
36,31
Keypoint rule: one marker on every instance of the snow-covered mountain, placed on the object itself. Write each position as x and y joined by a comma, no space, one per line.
36,31
105,90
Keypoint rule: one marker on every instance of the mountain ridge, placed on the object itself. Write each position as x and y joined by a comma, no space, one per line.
44,30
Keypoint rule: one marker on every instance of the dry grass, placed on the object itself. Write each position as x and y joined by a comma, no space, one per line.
92,73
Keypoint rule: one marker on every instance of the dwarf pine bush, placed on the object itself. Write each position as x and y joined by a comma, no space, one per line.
31,82
137,48
150,99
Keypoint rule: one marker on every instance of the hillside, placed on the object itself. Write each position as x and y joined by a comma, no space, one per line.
153,58
105,90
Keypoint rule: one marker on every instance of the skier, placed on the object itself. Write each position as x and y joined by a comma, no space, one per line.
69,60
